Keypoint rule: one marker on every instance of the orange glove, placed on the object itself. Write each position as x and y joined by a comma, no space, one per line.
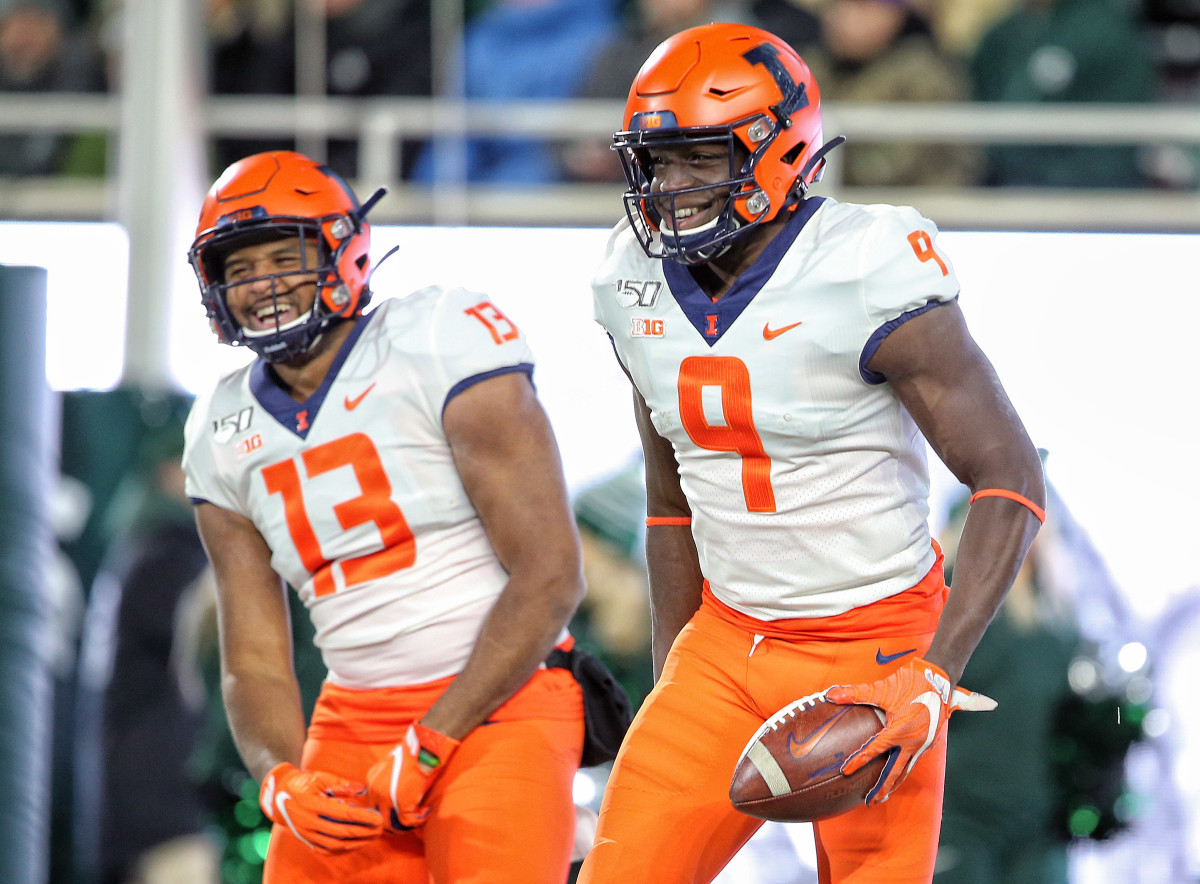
398,783
316,807
917,699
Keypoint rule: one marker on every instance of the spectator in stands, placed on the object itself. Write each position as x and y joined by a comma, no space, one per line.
618,60
143,816
239,31
613,621
517,50
998,824
41,51
1174,31
884,51
1009,817
372,48
793,21
958,26
1052,51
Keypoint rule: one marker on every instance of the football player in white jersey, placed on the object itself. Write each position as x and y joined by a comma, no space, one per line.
397,470
790,356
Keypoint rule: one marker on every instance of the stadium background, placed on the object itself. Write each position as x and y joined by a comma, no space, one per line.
1084,298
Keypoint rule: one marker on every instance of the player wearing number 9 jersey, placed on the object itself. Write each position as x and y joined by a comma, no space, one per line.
396,469
790,356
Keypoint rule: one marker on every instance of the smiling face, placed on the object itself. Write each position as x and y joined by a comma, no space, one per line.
699,169
271,285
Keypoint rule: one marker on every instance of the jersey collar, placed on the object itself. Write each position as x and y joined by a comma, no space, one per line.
298,417
711,319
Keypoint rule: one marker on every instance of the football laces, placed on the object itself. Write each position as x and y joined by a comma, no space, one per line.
781,717
789,710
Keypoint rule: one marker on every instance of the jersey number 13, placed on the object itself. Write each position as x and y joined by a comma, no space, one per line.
374,504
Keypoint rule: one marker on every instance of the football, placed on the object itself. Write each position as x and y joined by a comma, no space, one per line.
788,771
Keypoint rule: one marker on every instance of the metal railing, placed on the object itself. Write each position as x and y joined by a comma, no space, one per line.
380,125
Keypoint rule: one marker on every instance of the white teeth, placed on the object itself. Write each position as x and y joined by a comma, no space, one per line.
680,214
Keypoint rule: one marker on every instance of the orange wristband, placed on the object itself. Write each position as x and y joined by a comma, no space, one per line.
1011,495
651,521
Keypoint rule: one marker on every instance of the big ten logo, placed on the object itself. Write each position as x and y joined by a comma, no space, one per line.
249,444
647,328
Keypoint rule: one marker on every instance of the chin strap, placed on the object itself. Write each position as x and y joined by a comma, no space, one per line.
371,275
814,162
361,212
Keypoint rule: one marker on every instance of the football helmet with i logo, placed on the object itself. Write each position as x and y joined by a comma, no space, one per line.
280,195
727,84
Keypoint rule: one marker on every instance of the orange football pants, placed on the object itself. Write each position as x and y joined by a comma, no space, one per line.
501,813
666,815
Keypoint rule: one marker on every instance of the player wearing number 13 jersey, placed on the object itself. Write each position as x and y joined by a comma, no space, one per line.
790,356
396,469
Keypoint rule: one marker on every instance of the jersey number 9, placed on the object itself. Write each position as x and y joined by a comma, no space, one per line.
738,435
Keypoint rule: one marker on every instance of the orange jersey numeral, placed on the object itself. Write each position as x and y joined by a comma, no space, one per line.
923,246
375,505
738,435
497,323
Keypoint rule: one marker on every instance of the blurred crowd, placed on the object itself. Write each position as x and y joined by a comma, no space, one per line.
1026,51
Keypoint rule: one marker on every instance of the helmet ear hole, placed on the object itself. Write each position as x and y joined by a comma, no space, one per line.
793,154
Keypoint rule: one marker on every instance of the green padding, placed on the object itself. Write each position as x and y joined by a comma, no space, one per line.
106,435
25,685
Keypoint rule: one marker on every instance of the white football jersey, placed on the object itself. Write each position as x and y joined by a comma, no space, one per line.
356,492
807,478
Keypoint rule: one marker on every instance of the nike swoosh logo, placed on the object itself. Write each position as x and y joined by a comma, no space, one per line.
799,748
352,404
932,702
772,333
884,659
281,800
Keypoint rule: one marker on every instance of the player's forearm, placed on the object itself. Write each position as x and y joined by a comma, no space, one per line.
518,634
675,585
266,719
995,540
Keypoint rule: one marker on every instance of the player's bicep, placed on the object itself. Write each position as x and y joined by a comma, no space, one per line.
953,393
251,598
509,464
664,496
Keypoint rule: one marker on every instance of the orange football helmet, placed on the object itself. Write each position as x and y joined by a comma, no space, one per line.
276,195
732,84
